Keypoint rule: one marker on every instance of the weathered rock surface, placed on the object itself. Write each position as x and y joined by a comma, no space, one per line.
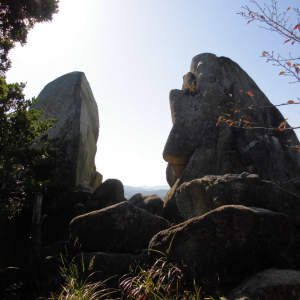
270,284
121,228
110,192
170,209
152,203
196,147
107,265
70,100
170,175
231,241
200,196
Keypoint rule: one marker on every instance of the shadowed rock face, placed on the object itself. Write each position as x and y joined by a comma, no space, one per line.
108,193
70,100
199,196
232,241
270,284
196,147
199,147
120,228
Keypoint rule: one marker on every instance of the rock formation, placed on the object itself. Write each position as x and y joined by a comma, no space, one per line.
196,147
231,241
108,193
70,100
120,228
200,196
236,226
150,203
270,284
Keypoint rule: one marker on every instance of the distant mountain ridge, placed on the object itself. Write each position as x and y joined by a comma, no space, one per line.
161,191
158,187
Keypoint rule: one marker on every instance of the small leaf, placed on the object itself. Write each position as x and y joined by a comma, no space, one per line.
289,140
281,73
287,41
291,102
297,26
289,64
240,91
288,9
231,123
264,54
250,12
280,129
262,17
250,21
250,93
228,115
219,120
293,42
235,111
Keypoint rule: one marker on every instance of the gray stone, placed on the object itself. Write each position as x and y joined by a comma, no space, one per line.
170,209
152,203
108,193
196,147
230,242
170,175
120,228
270,284
70,100
200,196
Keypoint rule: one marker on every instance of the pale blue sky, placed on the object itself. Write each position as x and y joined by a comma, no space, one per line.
133,53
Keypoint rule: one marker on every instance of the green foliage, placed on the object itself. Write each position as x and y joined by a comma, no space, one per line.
160,281
26,157
17,17
78,288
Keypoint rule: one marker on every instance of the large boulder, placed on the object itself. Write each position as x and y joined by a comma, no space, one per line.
229,243
170,209
196,147
152,203
110,192
120,228
70,100
200,196
270,284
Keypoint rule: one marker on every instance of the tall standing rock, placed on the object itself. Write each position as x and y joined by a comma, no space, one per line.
196,147
70,100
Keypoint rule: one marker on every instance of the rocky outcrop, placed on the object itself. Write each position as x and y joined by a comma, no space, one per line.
110,192
270,284
200,196
70,100
196,147
150,203
231,241
121,228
